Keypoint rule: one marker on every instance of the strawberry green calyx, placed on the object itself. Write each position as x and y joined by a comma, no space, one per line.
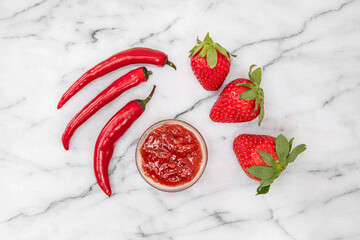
255,92
269,173
208,48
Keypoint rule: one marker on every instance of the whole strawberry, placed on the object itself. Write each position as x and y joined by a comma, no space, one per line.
210,63
263,158
242,100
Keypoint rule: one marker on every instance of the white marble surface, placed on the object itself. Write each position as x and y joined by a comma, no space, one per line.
310,54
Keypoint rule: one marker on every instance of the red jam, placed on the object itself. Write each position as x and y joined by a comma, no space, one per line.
171,155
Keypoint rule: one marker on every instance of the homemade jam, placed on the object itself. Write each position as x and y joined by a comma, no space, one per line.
171,155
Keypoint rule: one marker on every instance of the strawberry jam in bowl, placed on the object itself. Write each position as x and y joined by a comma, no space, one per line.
171,155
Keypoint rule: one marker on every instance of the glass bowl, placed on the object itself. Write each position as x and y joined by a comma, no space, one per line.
159,186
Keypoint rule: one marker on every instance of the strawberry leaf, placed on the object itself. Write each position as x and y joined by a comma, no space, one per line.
268,159
265,185
196,49
248,95
244,84
262,190
222,51
290,144
262,112
266,182
282,149
192,49
207,38
257,101
295,152
198,40
204,51
250,70
255,76
262,172
211,57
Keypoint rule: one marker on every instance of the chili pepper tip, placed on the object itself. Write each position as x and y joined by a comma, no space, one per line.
60,104
142,102
171,64
150,95
108,192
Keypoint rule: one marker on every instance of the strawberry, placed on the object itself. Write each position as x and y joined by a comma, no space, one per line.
263,158
242,100
212,70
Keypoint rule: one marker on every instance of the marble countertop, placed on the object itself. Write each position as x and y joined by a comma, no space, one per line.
310,55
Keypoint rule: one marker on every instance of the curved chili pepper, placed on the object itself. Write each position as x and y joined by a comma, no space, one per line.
124,58
129,80
108,136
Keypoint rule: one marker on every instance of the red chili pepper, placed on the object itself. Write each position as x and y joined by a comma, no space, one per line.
124,58
108,136
129,80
